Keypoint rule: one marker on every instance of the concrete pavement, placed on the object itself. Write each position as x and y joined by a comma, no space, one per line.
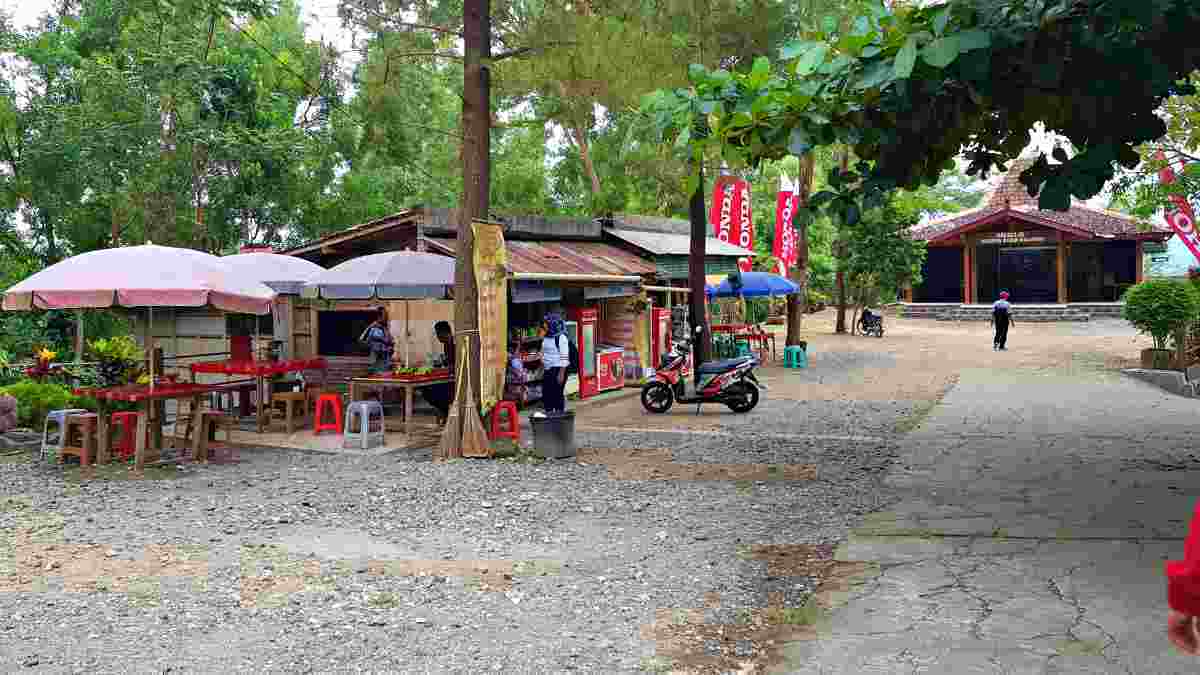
1035,510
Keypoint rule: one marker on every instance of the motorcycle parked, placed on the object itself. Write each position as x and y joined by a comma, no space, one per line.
730,382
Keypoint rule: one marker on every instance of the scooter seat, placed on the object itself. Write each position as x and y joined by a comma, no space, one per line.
715,367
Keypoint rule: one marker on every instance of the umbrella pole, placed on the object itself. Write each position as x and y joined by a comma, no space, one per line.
146,336
407,330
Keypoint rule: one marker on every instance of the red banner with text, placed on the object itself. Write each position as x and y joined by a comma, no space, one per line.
730,212
785,234
1182,219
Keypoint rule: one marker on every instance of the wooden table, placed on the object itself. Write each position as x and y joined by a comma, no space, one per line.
407,383
260,371
148,399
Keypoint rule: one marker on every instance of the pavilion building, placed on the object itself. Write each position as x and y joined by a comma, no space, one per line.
1080,260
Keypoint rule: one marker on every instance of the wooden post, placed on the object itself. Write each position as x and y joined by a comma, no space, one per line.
1060,267
1139,263
966,273
79,327
908,293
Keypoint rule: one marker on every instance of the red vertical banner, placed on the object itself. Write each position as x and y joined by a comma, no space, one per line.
745,231
723,216
1182,219
785,234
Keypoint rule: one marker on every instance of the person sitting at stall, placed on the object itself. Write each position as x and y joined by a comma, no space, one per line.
379,343
440,396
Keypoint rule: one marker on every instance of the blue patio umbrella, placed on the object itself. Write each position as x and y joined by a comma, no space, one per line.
752,285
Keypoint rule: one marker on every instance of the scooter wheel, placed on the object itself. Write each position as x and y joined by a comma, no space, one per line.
741,397
657,397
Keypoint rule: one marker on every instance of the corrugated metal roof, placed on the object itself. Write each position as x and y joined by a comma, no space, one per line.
568,258
661,243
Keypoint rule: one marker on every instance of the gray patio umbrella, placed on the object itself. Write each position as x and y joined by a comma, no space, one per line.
396,275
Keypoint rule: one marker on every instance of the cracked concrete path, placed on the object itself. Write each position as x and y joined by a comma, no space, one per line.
1036,508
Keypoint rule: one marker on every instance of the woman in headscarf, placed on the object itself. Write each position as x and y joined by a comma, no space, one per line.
556,356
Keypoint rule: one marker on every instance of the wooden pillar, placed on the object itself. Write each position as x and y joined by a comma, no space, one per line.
908,293
1060,267
966,274
1139,262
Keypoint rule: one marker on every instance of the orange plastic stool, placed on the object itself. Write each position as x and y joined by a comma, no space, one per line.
323,401
510,430
128,422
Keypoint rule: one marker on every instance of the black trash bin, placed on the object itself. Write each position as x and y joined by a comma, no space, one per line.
554,435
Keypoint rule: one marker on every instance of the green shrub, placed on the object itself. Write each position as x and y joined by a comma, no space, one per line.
35,399
1161,307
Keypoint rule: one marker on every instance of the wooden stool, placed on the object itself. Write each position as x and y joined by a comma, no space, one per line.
206,430
79,438
295,407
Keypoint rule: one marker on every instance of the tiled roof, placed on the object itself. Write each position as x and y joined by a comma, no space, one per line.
567,258
1010,195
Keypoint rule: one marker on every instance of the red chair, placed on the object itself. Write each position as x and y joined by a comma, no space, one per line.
324,401
128,422
512,429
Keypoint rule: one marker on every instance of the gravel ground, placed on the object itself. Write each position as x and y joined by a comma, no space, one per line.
290,561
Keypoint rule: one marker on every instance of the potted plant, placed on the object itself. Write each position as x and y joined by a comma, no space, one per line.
1161,308
118,357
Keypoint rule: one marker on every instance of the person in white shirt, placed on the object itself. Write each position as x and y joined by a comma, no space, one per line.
556,356
1001,318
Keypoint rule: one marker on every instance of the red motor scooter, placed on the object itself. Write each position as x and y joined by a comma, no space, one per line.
730,382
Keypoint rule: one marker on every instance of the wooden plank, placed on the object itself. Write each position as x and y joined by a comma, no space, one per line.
1139,261
1060,265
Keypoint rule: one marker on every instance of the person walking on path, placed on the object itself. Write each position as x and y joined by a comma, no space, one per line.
556,356
1001,319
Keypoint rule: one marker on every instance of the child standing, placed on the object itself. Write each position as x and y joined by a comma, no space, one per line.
1001,319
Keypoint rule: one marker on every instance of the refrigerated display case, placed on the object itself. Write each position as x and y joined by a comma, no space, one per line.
610,367
660,335
584,338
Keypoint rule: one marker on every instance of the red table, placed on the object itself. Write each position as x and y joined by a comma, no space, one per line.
260,370
145,396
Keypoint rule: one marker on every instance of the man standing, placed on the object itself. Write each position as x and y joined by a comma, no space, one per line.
1001,318
440,396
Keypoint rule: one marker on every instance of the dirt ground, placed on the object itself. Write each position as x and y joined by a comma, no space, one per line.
915,361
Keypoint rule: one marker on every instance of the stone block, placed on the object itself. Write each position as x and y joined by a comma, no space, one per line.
1193,373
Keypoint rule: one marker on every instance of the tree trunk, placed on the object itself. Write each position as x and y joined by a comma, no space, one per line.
797,303
841,256
841,293
476,123
585,156
697,308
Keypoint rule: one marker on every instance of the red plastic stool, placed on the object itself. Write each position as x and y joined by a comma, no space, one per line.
323,401
512,429
128,422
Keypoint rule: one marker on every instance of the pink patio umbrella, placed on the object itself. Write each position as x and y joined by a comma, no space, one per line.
146,276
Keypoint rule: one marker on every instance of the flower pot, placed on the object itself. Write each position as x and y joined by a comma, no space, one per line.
1158,359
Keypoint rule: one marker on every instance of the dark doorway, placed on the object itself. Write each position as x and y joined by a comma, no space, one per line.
1027,274
941,276
339,332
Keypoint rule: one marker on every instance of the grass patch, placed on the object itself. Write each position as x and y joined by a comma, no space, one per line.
383,601
745,488
918,416
657,664
508,451
805,615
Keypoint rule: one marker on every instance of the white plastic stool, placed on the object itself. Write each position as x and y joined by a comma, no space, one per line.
364,438
59,417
